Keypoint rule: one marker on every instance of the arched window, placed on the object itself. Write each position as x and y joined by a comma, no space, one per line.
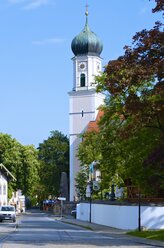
82,80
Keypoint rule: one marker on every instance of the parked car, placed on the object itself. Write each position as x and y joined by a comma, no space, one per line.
73,212
7,213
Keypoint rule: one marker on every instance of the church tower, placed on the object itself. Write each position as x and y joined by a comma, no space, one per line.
83,99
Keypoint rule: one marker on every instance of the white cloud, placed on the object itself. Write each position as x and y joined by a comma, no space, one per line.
35,4
16,1
48,41
29,4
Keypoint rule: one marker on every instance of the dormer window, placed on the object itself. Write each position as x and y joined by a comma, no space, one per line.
82,80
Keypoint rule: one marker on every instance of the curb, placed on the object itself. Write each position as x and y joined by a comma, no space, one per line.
109,230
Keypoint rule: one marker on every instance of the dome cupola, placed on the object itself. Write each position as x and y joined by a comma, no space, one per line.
87,42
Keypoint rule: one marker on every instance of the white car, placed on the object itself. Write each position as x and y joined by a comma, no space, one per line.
7,212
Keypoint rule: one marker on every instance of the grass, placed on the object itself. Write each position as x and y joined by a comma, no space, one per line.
154,234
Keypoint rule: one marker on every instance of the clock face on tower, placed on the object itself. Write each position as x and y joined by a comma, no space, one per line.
82,65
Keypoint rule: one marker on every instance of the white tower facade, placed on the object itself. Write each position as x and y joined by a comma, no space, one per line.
83,99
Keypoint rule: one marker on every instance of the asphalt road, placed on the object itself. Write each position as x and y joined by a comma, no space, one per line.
37,229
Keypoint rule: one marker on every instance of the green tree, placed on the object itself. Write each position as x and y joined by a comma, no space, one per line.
133,123
54,158
89,149
81,182
131,131
30,172
10,156
22,162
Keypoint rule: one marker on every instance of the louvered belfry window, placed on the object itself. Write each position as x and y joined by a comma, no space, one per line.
82,80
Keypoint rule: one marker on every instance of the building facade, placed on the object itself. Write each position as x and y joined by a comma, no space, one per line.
83,99
3,189
5,176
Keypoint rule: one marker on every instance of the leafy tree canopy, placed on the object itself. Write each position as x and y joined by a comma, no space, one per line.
54,158
130,139
81,182
22,162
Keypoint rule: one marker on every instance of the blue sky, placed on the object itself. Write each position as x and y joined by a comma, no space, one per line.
35,56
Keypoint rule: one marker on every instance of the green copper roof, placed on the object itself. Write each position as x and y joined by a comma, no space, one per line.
86,42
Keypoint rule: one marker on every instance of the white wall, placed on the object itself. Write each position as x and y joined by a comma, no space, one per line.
122,216
3,190
88,102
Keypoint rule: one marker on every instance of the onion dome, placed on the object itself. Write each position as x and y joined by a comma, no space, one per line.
87,42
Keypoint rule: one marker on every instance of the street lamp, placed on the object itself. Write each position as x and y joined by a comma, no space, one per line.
89,194
112,195
89,189
139,211
90,201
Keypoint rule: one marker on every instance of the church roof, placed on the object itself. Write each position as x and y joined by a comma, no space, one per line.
87,42
93,125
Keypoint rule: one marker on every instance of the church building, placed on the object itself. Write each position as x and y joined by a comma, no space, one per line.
83,99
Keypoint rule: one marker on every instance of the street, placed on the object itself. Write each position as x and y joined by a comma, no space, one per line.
37,229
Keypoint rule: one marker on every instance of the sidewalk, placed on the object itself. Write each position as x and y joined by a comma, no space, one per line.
110,231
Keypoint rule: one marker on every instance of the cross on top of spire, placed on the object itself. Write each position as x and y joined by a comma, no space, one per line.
86,12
